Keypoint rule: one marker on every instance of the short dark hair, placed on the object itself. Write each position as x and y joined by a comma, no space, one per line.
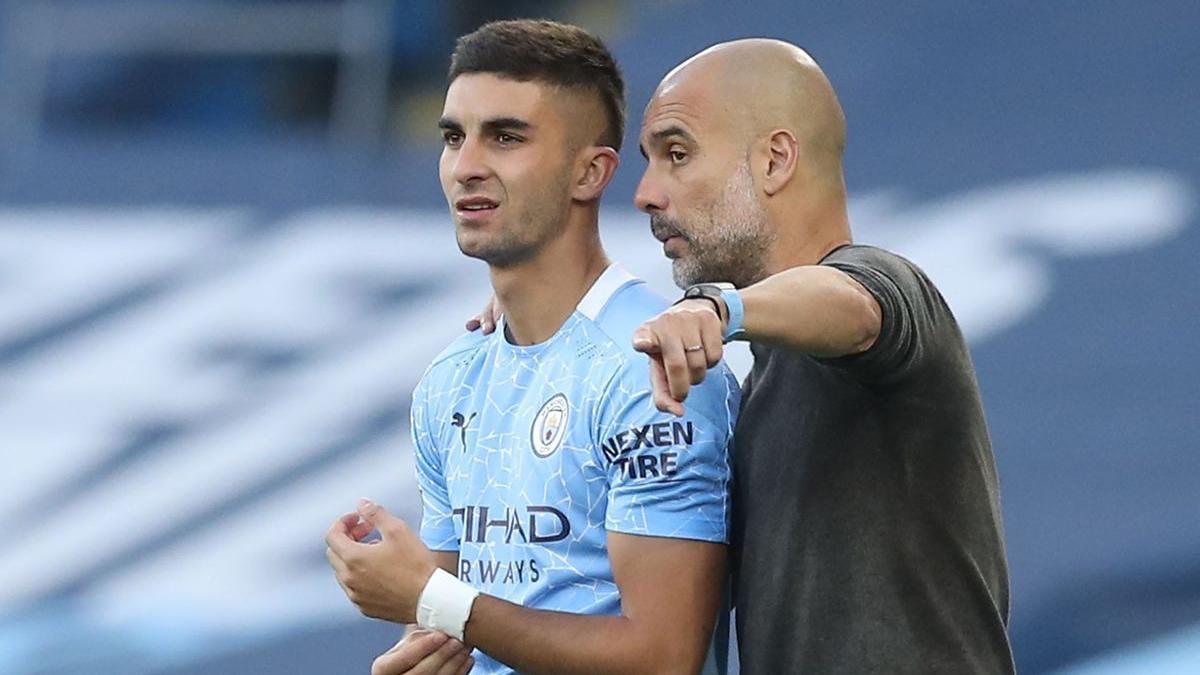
547,51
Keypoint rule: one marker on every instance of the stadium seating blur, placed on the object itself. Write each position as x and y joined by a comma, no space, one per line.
225,261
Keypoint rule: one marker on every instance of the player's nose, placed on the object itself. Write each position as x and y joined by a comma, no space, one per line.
470,163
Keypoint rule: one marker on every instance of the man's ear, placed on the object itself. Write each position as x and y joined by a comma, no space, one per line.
595,167
781,153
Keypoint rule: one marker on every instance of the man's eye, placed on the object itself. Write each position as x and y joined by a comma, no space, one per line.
506,139
451,138
677,156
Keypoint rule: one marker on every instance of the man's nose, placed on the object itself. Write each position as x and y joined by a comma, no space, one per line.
470,162
649,197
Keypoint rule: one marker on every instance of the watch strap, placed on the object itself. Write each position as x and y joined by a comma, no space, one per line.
737,314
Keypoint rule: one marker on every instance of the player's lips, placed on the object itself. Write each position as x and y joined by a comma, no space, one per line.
475,208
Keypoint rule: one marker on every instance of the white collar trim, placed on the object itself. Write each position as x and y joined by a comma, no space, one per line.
610,281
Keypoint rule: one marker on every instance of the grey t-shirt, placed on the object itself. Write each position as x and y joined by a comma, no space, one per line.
867,531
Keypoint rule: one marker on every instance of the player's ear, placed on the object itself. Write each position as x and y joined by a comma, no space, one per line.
595,168
778,157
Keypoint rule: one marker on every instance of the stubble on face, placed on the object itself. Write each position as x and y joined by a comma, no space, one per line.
523,234
727,241
529,177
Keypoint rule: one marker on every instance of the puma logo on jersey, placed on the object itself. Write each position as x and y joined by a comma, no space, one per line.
462,423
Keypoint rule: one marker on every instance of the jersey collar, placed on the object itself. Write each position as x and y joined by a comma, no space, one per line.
613,279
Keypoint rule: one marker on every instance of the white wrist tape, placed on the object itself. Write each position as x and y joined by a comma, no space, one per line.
445,604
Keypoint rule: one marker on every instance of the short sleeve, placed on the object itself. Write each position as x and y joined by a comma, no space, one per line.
668,476
912,312
437,523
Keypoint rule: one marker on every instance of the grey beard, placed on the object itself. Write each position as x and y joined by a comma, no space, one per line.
738,268
734,245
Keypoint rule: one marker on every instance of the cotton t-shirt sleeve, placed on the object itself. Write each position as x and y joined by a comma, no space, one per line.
913,312
668,476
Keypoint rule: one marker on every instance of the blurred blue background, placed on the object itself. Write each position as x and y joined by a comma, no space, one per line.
225,260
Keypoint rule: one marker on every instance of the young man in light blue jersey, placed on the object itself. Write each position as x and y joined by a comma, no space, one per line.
569,526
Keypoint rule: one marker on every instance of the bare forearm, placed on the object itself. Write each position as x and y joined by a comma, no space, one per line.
540,642
812,309
447,560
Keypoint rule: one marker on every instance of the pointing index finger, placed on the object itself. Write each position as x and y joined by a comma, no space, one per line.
660,389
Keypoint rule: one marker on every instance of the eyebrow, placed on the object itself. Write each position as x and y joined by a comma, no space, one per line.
489,126
667,132
502,123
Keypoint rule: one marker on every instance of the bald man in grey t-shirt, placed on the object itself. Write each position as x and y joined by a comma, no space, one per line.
867,531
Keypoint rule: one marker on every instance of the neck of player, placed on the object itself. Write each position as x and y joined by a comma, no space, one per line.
538,295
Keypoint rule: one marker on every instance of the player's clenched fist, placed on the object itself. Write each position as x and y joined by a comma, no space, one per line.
683,342
424,652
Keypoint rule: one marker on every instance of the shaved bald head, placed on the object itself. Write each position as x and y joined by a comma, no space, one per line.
763,84
753,128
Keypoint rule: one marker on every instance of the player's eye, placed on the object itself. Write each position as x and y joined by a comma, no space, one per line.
452,138
676,155
506,139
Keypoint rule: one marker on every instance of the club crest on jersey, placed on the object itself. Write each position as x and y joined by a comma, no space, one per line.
550,426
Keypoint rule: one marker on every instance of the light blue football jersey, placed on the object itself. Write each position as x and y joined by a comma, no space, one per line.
528,456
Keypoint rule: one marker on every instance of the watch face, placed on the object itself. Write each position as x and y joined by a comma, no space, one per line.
710,288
